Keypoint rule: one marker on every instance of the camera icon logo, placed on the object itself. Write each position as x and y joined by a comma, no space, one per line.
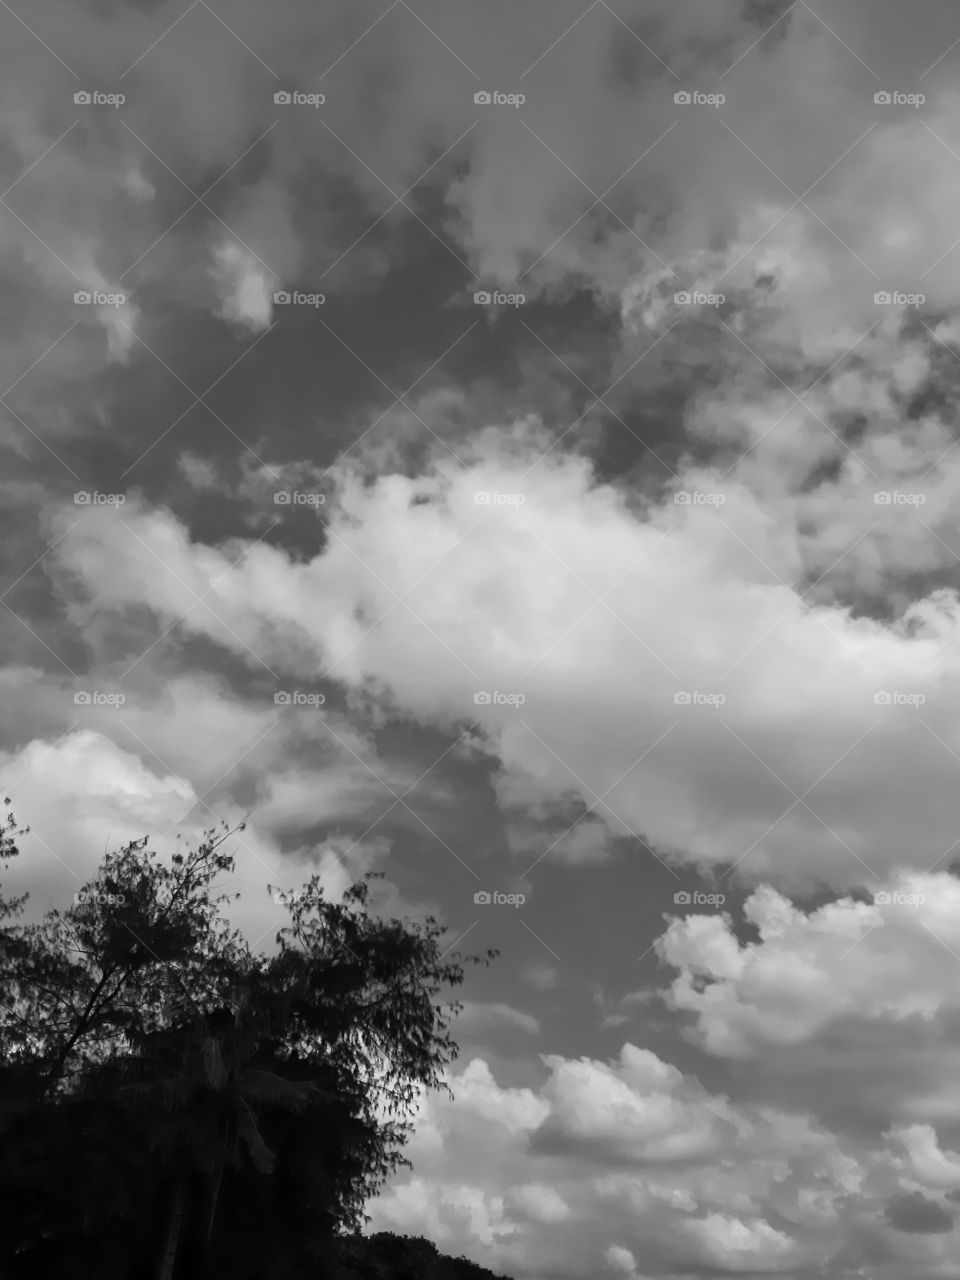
82,297
482,698
82,98
281,298
683,698
482,299
81,699
882,298
682,97
882,98
882,698
81,499
681,898
482,99
682,299
882,899
682,498
481,898
282,499
282,98
883,498
281,699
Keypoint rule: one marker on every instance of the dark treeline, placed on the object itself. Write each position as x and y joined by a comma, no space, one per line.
177,1105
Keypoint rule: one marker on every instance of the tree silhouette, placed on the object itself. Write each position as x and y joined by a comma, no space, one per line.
230,1111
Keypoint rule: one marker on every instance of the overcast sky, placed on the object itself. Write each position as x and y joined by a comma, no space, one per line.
510,445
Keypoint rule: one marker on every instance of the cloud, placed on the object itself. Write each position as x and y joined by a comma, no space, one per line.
805,574
542,977
634,1111
915,1214
620,1261
800,775
245,287
812,970
82,793
773,1192
933,1168
736,1245
538,1203
479,1020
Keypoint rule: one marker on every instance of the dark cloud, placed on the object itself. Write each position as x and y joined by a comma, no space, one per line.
916,1214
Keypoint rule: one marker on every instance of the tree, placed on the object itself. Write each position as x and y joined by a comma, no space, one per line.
386,1256
12,955
261,1098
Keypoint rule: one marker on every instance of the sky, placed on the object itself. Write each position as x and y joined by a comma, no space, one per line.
509,445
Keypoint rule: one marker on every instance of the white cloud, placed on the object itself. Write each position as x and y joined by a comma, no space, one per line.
620,1261
736,1245
634,1109
81,794
538,1203
925,1161
506,598
775,1191
847,960
244,285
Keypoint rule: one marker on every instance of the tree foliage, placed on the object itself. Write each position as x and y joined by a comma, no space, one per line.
176,1104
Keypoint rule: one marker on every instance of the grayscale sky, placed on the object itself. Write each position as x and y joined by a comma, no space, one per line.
510,445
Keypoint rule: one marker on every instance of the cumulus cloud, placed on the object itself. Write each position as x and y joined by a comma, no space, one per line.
739,651
829,719
100,775
774,1192
882,961
933,1168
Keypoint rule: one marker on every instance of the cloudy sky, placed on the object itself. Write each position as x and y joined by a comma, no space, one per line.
510,445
